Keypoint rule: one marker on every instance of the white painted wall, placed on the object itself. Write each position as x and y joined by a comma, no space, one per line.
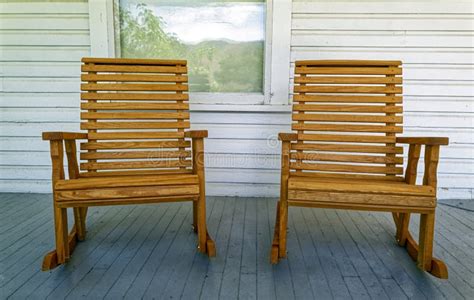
40,86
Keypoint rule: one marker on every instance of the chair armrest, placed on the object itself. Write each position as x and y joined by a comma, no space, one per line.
59,135
196,134
287,137
430,141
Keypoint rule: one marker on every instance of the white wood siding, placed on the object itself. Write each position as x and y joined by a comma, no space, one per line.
43,43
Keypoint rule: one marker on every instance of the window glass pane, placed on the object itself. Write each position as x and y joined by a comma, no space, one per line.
223,41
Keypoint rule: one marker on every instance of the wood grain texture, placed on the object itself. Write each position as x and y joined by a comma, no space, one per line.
343,154
136,149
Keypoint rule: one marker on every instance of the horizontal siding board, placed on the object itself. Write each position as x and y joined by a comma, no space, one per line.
43,9
43,53
44,38
57,22
398,7
41,69
377,38
414,55
383,21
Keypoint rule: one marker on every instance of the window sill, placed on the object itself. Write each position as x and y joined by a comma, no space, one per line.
240,107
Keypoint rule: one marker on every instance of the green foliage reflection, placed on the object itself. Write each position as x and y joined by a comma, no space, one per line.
214,66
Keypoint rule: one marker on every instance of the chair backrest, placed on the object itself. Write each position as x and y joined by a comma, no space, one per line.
346,115
135,112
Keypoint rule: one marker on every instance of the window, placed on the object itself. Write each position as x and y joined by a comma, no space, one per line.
223,41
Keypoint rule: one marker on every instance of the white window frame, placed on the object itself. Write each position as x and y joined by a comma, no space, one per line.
276,59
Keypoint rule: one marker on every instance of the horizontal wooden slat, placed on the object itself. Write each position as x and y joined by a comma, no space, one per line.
134,61
352,177
176,179
135,106
134,78
133,87
347,158
346,168
133,96
347,118
135,135
348,108
347,138
137,116
348,99
131,192
127,201
136,154
360,199
135,164
107,173
348,80
348,148
349,71
341,185
134,145
347,89
134,125
346,128
347,63
366,207
134,69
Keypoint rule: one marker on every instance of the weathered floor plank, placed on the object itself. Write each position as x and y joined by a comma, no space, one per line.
150,252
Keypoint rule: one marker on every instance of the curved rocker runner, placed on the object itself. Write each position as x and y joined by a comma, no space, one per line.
344,153
137,148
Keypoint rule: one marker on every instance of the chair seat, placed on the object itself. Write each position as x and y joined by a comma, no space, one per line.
340,192
117,190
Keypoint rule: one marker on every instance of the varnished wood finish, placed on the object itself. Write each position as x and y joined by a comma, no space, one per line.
344,152
137,149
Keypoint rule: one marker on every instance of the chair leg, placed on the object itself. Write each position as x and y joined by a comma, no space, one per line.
80,214
195,216
283,211
60,229
402,228
425,250
276,237
205,242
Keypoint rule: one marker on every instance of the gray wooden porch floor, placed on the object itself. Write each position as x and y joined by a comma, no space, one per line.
149,251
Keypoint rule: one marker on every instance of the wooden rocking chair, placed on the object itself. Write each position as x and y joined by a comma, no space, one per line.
136,114
345,152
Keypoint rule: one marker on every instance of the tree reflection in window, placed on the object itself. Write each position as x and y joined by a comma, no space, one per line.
223,41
